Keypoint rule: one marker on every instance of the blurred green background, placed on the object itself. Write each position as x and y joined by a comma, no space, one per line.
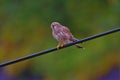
25,29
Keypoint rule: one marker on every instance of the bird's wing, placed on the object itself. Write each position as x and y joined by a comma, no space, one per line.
66,30
68,33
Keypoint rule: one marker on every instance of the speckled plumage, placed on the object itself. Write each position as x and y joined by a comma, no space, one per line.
62,34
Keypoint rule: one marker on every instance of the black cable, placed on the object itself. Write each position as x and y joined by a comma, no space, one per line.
54,49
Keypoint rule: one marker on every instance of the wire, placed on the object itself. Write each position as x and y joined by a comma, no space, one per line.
55,49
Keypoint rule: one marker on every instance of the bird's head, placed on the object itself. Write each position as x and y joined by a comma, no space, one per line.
55,25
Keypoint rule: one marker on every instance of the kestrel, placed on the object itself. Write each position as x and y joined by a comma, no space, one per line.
62,34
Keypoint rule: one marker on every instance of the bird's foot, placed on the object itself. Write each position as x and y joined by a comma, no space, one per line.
60,44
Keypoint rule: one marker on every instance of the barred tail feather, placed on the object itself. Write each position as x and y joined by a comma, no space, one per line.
77,45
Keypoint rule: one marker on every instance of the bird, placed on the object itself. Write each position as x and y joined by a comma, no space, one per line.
62,34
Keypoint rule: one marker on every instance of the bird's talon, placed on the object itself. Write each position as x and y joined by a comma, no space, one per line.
62,45
59,45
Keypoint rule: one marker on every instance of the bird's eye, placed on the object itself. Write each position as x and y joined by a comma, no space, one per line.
53,26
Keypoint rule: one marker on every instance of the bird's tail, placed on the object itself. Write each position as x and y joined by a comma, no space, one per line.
77,45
